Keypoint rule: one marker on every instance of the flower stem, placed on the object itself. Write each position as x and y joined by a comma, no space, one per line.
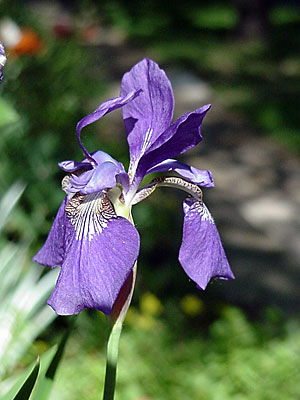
111,361
115,320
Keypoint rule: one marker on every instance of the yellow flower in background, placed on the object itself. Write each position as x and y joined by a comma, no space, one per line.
150,305
145,319
192,305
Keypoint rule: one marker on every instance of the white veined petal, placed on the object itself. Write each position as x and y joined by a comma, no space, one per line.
89,214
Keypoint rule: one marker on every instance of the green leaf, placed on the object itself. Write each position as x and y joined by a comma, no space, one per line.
27,387
44,363
46,381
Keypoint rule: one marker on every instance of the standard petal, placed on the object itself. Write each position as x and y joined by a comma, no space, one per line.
201,253
103,109
195,175
150,116
100,257
181,136
53,252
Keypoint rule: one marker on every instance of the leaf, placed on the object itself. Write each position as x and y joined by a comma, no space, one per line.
45,384
45,361
27,387
9,200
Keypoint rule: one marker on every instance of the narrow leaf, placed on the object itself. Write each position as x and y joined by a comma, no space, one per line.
27,388
45,383
45,361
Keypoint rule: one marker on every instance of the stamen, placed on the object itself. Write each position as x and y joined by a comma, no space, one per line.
172,181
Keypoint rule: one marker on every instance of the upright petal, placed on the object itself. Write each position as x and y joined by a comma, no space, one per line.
181,136
201,253
195,175
53,252
102,253
151,115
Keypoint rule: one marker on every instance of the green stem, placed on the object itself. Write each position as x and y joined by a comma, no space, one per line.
111,361
115,320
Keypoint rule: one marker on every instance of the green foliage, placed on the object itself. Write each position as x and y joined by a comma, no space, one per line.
216,16
23,292
230,358
35,371
27,387
43,96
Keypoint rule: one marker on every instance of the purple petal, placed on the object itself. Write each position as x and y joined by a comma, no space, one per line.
53,252
181,136
195,175
100,178
123,179
201,253
99,156
103,109
2,60
149,116
73,166
95,268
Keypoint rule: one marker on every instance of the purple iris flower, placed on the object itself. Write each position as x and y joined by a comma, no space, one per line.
93,238
2,60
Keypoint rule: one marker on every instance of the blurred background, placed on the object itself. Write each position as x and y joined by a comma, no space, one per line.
237,340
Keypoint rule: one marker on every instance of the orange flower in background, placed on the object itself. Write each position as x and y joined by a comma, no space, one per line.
30,43
19,41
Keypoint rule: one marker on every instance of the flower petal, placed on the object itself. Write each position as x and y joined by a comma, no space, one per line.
103,109
100,178
99,156
195,175
201,253
2,60
53,252
73,166
150,116
181,136
101,255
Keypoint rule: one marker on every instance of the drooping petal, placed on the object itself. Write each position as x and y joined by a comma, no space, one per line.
195,175
103,109
101,255
151,115
53,252
201,253
100,178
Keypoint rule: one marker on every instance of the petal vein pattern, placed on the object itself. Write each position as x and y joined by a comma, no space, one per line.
89,214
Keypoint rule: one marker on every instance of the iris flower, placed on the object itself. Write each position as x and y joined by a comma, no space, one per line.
2,60
93,238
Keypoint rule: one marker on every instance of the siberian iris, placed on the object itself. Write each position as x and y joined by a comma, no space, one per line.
93,238
2,60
